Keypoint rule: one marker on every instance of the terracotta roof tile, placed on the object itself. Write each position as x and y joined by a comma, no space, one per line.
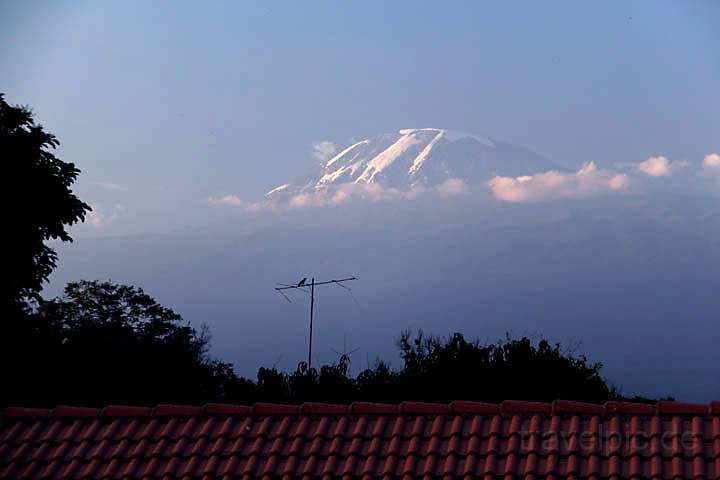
420,408
19,412
364,408
177,411
62,412
323,409
675,408
460,407
123,411
627,408
222,409
413,440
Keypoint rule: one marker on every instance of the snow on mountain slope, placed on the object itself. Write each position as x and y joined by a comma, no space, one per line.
420,157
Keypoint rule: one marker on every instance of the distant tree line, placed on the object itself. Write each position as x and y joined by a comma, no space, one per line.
103,343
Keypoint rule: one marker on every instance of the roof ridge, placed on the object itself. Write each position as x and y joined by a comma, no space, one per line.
459,407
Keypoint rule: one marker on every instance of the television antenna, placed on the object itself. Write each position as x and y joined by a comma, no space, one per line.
302,285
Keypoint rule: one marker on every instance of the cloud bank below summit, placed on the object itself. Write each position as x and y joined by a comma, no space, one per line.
590,180
587,181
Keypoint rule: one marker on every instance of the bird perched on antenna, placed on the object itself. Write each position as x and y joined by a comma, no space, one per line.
301,283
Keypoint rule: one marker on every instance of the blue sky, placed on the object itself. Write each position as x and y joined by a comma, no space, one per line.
182,99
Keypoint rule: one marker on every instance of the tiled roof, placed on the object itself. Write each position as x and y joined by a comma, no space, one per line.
512,440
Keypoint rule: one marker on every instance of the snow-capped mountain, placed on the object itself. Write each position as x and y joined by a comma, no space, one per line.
420,157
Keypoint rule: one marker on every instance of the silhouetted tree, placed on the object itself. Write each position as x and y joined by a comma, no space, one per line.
39,205
443,370
104,343
331,381
379,383
107,343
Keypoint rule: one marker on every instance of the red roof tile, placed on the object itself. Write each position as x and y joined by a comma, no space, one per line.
514,440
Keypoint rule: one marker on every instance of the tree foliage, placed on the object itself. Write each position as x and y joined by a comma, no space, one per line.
442,370
39,204
107,343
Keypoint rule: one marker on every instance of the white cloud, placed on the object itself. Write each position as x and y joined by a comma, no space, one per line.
660,166
347,192
452,186
712,161
94,218
589,180
232,200
655,167
324,150
304,200
372,192
619,182
100,217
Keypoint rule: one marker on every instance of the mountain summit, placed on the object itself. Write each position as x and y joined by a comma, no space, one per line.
420,157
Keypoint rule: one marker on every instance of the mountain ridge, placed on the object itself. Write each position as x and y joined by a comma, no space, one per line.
419,157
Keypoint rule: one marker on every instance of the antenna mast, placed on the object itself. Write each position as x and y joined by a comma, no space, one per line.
301,286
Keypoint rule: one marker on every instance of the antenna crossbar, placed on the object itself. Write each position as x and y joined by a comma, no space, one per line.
302,285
